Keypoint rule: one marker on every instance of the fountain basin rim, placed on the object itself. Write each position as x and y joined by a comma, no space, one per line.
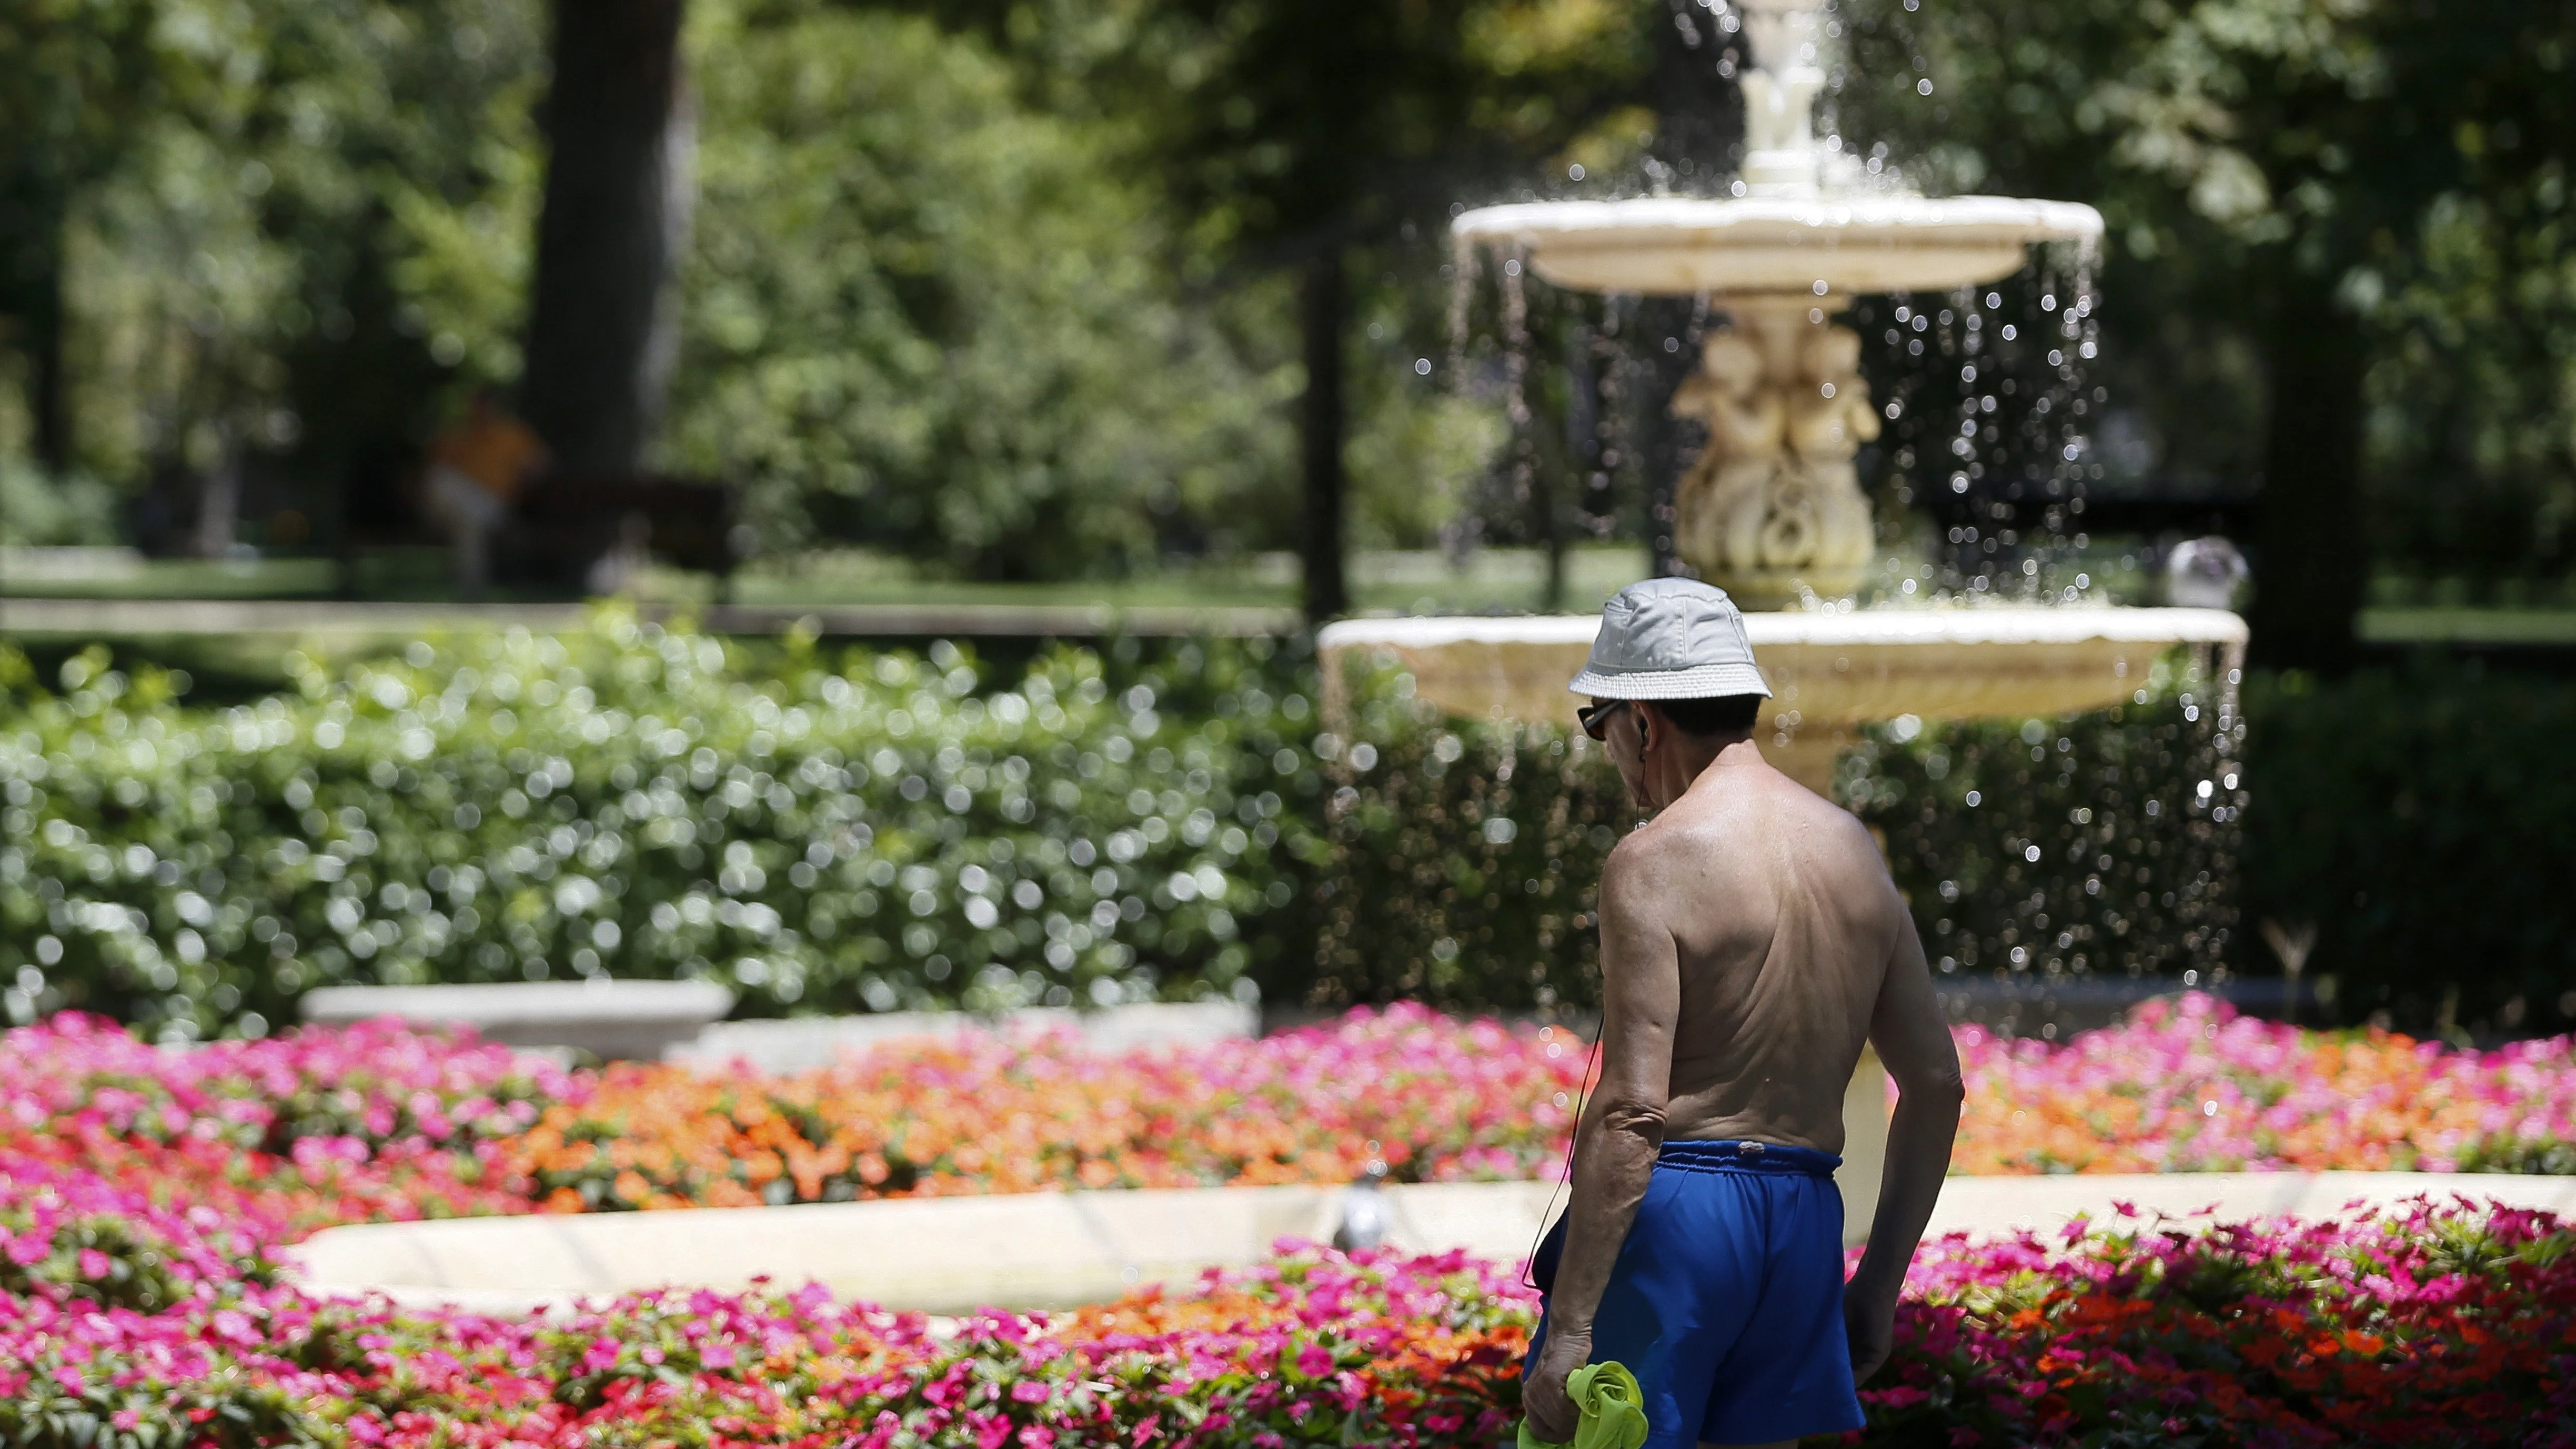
1786,246
1998,625
1652,220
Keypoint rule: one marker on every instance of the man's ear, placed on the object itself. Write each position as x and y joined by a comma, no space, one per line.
1651,725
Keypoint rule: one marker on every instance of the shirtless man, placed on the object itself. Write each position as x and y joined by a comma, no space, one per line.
1750,942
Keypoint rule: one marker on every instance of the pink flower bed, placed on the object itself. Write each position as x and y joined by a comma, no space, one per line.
2192,1086
375,1082
2447,1324
144,1195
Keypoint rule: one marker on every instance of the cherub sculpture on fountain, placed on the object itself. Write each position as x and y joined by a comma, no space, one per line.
1774,502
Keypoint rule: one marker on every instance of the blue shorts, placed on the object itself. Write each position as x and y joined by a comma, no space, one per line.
1727,1300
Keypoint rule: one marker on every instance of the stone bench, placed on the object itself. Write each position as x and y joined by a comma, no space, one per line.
681,1021
607,1019
801,1043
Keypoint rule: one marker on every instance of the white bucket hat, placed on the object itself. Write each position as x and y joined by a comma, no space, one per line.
1670,638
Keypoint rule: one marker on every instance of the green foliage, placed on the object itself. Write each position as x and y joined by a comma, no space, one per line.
939,322
2415,818
1466,861
105,1260
37,510
2032,849
960,294
875,835
2411,161
1466,855
1311,125
2471,432
299,262
890,830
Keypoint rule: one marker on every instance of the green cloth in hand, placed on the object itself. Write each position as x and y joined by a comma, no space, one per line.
1606,1394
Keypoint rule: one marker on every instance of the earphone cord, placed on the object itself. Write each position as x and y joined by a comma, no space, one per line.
1565,1179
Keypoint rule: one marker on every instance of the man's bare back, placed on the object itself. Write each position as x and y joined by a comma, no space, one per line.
1782,922
1751,944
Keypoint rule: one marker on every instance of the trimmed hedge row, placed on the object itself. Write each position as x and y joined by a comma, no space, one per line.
886,830
880,835
2101,844
1466,856
2412,817
2419,819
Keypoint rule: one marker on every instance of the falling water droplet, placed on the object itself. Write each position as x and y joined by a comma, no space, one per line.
1465,257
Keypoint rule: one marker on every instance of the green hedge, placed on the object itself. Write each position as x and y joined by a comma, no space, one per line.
2038,849
2420,819
884,830
1465,861
886,833
1466,854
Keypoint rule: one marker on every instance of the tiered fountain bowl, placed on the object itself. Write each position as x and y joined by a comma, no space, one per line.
1772,510
1782,245
1829,673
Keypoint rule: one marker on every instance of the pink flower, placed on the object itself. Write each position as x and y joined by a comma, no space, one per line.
602,1355
1313,1361
94,1264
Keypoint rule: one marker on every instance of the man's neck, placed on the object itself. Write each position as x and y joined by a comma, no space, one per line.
1692,758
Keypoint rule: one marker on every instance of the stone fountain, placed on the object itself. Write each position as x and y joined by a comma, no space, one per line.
1773,510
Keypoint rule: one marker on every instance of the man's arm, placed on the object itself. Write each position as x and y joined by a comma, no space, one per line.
1622,1127
1914,1042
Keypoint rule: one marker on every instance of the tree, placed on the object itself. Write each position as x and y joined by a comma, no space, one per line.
944,323
2266,168
602,314
81,81
1313,130
278,233
405,169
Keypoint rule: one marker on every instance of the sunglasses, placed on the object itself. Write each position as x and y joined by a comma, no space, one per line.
1595,718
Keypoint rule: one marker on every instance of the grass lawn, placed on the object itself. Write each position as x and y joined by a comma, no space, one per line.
1490,581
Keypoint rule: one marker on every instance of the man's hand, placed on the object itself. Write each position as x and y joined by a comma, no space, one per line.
1552,1416
1869,1320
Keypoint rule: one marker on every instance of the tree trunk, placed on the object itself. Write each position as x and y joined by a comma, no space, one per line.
49,400
602,314
1321,429
34,298
219,503
2311,561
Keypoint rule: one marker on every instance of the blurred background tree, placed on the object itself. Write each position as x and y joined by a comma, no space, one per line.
283,232
2316,211
87,81
620,187
942,323
1316,134
1070,290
